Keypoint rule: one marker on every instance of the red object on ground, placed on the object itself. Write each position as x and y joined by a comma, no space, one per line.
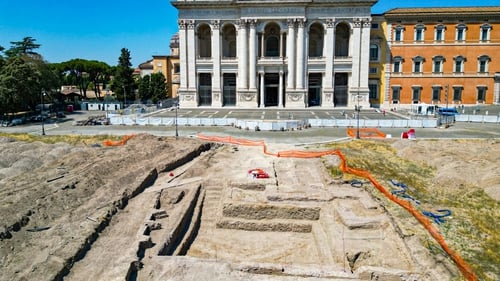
171,174
258,174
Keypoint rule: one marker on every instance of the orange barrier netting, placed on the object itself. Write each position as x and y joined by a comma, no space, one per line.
433,231
123,141
365,133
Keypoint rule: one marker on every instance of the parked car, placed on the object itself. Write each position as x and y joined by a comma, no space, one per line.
38,118
17,121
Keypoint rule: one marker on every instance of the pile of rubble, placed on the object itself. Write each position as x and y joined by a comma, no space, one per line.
93,120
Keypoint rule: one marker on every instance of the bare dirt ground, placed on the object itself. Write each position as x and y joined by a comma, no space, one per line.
159,208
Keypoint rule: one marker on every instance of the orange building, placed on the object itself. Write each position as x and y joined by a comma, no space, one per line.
444,56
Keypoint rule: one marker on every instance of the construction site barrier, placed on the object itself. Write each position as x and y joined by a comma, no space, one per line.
269,125
462,265
123,141
365,133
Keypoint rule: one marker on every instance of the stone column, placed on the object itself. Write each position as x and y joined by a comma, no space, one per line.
281,45
216,75
261,74
329,48
359,91
301,60
242,56
262,52
191,56
290,53
183,55
280,90
253,55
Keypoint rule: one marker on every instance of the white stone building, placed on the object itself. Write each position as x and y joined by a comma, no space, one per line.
274,53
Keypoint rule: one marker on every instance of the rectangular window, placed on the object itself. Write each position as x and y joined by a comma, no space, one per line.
437,67
374,53
484,34
460,34
417,67
398,35
416,95
481,94
457,94
373,87
397,66
375,25
418,34
373,70
396,93
436,93
482,66
177,68
458,66
439,35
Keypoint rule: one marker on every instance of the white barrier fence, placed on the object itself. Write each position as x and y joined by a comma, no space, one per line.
277,125
274,125
477,118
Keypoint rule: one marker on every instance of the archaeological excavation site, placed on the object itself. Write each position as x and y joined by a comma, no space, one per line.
159,208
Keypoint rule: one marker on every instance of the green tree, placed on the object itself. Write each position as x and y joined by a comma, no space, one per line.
26,47
123,83
19,85
145,87
158,87
152,88
23,75
1,57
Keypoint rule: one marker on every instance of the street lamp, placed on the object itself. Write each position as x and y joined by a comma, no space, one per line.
42,93
106,102
176,124
124,97
358,109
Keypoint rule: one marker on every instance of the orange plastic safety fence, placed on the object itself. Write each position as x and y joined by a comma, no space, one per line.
365,133
433,231
123,141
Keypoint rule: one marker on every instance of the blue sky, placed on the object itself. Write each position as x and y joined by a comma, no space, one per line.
99,29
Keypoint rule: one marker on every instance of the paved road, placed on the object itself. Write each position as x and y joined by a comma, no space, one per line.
279,114
311,135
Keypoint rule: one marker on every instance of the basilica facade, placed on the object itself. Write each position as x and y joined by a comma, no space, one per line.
274,53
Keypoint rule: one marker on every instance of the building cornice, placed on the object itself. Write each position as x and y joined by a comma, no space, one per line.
444,14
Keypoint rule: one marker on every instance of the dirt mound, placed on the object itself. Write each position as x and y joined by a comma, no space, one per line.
55,198
127,211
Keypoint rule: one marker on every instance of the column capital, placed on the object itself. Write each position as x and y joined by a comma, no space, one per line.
242,23
330,23
190,24
182,24
252,23
291,23
301,22
362,22
216,24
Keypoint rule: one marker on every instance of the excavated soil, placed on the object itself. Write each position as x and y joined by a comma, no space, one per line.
182,209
